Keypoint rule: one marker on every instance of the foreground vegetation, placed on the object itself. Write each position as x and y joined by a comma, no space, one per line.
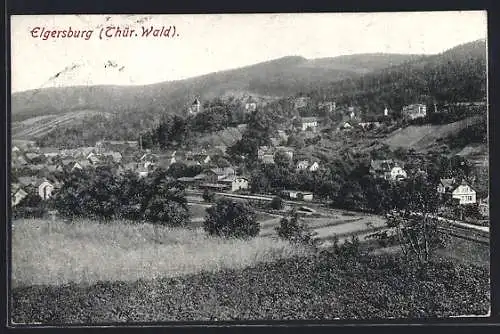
314,287
83,251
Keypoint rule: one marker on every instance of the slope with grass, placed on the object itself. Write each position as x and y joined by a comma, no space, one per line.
87,252
425,137
299,288
40,126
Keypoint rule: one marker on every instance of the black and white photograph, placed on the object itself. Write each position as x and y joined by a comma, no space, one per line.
220,168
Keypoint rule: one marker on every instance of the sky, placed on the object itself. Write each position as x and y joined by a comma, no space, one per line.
205,43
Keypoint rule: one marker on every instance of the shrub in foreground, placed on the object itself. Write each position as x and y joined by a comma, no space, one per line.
229,218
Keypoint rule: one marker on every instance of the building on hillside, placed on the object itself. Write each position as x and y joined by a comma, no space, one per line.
202,159
235,183
484,206
313,167
369,125
309,123
460,191
18,194
388,170
195,107
45,189
414,111
93,158
224,172
301,102
298,195
289,151
307,165
445,186
250,104
302,165
464,193
81,165
263,150
142,171
327,106
346,126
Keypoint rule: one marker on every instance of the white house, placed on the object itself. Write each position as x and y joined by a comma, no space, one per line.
302,165
194,108
236,182
45,189
301,102
346,126
18,196
309,123
445,185
314,166
328,106
250,105
464,193
398,173
387,169
305,165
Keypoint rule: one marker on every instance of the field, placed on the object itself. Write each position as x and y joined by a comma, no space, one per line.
298,288
424,136
35,127
90,272
45,252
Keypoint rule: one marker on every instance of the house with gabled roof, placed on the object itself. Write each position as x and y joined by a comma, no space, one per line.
250,104
309,123
45,189
17,195
235,183
460,191
387,169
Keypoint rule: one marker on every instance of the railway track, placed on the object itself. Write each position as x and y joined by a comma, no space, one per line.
453,230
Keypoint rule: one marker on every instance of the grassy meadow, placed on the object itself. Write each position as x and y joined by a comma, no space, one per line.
84,251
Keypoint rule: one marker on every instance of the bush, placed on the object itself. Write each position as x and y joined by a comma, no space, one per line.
295,229
208,196
104,196
276,203
231,219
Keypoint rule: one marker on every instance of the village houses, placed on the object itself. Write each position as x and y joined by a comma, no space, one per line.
414,111
301,102
195,107
309,123
387,169
250,104
460,191
307,165
328,106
